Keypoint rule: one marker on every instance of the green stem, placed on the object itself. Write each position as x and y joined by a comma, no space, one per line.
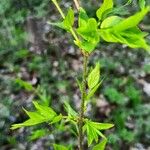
74,34
59,9
72,31
82,106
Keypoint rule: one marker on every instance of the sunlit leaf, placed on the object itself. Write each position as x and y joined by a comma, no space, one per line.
67,23
38,134
93,130
94,76
131,36
57,24
111,21
92,91
131,21
88,30
43,114
142,4
60,147
69,19
69,109
45,110
83,18
101,126
101,145
107,4
57,119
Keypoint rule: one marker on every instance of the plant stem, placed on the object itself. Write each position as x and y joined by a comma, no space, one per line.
72,31
77,4
82,106
58,8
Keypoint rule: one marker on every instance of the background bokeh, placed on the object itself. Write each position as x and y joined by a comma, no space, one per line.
46,57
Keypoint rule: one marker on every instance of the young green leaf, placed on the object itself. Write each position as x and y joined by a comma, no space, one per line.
87,46
43,114
92,133
101,126
30,122
107,4
129,23
38,134
67,23
88,30
110,22
142,4
57,119
69,19
69,109
101,145
93,130
24,84
83,18
94,76
133,37
45,111
60,147
57,24
92,91
121,10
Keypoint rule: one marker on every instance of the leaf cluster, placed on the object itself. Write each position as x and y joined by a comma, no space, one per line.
108,26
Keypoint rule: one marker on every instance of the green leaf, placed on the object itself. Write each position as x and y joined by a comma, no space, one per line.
46,111
131,21
93,130
57,24
107,4
69,109
101,126
83,18
121,10
92,91
92,134
38,134
59,147
142,4
24,84
29,122
57,119
101,145
133,37
34,115
108,35
94,76
69,19
67,23
43,114
87,46
88,30
111,21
